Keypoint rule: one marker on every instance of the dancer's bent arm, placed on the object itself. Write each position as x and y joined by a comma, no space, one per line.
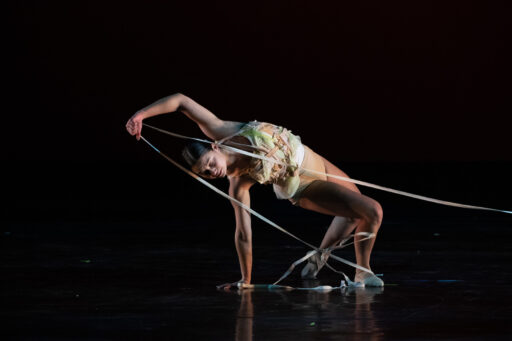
211,125
239,189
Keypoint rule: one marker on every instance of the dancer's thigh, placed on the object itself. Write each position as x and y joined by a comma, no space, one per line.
332,198
332,169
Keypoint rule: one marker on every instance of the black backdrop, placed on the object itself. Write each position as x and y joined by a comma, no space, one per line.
408,94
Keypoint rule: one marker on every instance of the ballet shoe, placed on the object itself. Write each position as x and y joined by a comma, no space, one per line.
312,267
368,279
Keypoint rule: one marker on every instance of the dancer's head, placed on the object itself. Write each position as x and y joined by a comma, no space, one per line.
207,161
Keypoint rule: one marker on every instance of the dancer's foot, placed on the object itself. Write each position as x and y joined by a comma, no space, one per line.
312,267
368,279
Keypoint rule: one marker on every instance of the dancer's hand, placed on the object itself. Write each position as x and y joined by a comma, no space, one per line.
241,284
134,124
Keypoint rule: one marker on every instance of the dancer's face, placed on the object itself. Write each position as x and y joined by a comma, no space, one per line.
211,165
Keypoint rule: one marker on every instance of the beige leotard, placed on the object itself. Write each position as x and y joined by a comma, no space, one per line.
280,144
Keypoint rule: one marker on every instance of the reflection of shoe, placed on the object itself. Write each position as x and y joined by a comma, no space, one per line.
369,291
368,279
313,266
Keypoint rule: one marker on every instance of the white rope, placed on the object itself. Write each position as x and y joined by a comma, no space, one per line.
358,182
268,221
324,252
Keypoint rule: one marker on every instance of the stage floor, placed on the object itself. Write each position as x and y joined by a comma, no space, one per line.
157,280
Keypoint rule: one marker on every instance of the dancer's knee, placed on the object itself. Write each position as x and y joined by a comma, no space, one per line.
351,221
374,215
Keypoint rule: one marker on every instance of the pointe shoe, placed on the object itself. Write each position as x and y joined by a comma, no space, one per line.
313,266
368,279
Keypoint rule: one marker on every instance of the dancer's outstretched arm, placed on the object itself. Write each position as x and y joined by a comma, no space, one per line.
211,125
239,189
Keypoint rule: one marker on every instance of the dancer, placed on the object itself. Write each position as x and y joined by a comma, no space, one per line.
320,193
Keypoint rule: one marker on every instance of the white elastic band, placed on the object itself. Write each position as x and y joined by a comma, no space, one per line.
316,250
358,182
328,251
268,221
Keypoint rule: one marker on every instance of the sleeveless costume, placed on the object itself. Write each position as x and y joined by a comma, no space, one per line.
280,144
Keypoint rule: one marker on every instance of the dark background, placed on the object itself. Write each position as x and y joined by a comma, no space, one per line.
101,238
412,95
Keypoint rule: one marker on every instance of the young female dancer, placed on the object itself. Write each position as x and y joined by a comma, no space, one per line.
341,199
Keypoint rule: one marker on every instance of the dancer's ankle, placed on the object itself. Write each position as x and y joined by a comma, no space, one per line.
359,271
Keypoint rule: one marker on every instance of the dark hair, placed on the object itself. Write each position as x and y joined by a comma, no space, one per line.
193,151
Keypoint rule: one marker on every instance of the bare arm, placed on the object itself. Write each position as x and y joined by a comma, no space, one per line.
210,125
239,189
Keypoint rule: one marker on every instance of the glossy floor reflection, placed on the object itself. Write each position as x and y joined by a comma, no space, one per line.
321,314
147,281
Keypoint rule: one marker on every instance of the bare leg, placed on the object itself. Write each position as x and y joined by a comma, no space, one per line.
362,249
340,228
333,199
351,209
